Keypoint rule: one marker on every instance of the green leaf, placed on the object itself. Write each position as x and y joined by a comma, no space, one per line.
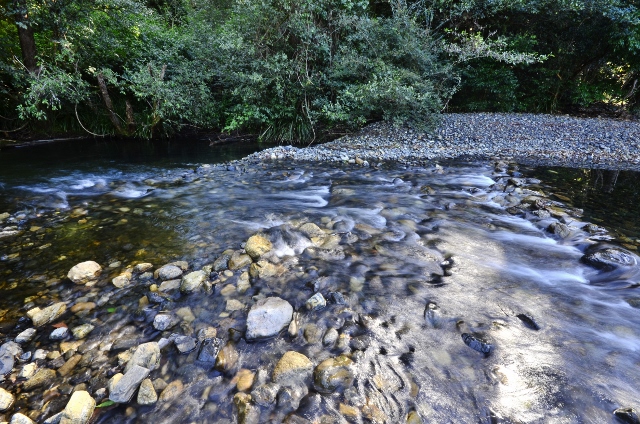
105,404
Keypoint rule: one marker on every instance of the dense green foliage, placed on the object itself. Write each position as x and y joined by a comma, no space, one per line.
291,71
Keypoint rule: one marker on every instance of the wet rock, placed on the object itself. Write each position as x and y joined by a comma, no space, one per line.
6,400
333,374
244,380
609,258
192,281
80,307
528,321
330,337
49,314
172,391
316,302
265,269
142,267
329,255
68,366
257,245
21,419
44,377
268,317
227,358
124,389
59,333
169,272
146,355
222,262
163,322
293,366
432,314
314,232
28,371
82,331
239,260
414,418
312,333
337,298
122,280
476,344
25,336
265,394
147,393
560,229
79,409
169,285
627,415
185,344
288,398
234,305
84,272
247,412
209,350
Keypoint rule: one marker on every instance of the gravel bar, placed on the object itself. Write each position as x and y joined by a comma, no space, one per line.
535,139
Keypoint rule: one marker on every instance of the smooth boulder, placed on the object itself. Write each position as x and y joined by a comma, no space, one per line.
268,317
84,272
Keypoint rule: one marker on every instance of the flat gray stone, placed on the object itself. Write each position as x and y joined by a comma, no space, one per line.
26,336
124,389
147,355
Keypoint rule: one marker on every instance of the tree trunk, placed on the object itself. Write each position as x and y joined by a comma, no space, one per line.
25,35
107,102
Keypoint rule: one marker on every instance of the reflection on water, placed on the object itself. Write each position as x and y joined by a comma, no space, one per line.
420,256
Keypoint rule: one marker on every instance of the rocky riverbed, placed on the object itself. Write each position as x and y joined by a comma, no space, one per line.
357,291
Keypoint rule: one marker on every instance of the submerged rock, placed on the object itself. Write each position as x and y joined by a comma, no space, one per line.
79,409
333,374
26,336
316,302
609,258
627,415
292,366
84,272
192,281
146,355
44,316
528,321
476,344
169,272
21,419
147,394
6,400
257,245
268,317
44,377
124,388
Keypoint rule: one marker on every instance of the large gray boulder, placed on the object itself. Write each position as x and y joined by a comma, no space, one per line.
268,317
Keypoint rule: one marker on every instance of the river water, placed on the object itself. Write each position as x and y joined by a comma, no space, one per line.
431,262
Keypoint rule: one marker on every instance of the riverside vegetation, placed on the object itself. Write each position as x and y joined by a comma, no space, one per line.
298,71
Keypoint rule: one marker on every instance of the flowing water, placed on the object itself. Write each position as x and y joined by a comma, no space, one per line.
460,305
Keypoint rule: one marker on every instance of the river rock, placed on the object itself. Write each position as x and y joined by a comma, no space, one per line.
316,302
265,394
227,358
609,258
142,267
268,317
48,314
192,281
314,232
333,374
44,377
239,260
627,415
80,307
244,379
209,350
124,389
122,280
84,272
81,331
28,370
265,269
292,367
26,336
79,409
476,344
59,333
21,419
6,400
330,337
169,272
147,394
185,344
247,412
222,262
146,355
163,322
257,245
172,391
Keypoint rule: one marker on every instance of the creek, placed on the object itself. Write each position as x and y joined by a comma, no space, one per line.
460,291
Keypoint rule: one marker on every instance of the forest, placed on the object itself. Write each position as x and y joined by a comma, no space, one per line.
298,71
